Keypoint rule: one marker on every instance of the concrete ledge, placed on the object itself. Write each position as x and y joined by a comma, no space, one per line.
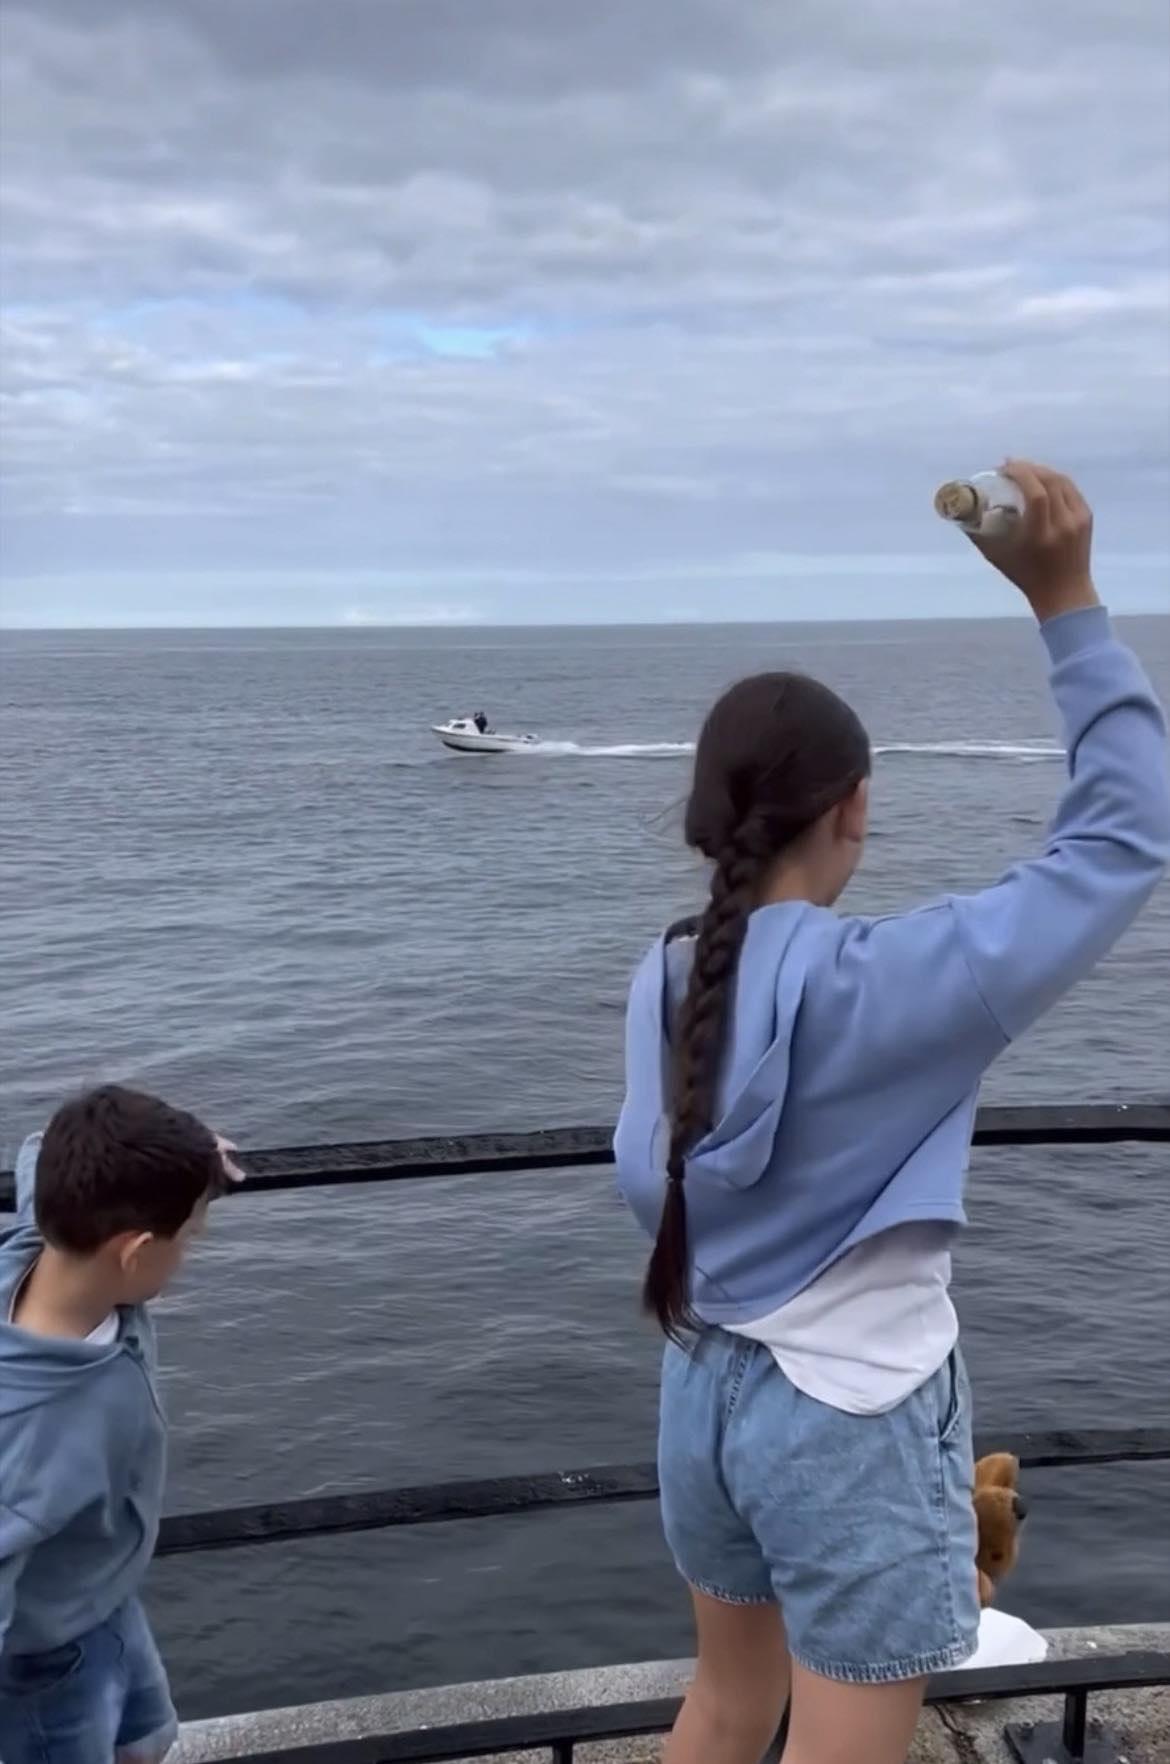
960,1734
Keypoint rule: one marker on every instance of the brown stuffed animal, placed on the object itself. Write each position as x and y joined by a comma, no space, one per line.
1000,1510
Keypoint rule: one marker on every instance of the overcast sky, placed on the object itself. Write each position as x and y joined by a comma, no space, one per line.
368,311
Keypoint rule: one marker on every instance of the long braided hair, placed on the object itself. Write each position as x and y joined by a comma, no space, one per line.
776,753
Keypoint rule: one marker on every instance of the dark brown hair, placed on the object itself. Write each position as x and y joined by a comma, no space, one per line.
117,1160
777,752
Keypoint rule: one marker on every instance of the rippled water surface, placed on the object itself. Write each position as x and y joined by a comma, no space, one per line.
239,869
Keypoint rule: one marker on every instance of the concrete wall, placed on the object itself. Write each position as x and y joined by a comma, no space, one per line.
964,1734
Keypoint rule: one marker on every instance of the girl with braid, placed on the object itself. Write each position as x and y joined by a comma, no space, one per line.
801,1088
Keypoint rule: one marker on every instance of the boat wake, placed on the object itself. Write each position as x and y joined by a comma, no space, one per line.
1014,753
626,750
1028,752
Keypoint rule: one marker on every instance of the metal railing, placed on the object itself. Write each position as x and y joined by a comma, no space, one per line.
437,1503
442,1503
561,1148
561,1731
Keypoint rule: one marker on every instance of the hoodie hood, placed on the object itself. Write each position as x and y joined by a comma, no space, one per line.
35,1369
763,1013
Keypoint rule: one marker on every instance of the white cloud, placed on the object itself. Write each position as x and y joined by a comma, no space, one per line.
548,291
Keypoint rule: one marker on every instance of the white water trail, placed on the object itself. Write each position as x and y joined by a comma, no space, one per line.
989,750
627,750
1016,752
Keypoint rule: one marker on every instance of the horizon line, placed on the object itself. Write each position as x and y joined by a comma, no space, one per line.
474,625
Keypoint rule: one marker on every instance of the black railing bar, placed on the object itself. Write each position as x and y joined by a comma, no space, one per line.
613,1484
553,1148
615,1721
382,1509
409,1160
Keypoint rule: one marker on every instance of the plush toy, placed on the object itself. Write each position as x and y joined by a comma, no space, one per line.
1000,1510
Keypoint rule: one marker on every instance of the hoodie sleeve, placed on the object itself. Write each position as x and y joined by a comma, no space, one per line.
953,984
1045,924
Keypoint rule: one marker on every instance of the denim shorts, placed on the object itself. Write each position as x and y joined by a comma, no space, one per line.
861,1527
101,1698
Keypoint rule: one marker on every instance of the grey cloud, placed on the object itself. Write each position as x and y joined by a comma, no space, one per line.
447,281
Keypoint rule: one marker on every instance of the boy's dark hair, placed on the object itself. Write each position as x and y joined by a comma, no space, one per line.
117,1160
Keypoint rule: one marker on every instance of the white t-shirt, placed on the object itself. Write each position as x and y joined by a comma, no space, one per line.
873,1328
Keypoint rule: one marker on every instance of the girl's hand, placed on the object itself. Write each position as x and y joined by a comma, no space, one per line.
1048,553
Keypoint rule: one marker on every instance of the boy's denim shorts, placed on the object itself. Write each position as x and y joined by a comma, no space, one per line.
101,1698
861,1527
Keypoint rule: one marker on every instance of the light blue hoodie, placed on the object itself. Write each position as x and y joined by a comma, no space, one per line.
856,1046
82,1460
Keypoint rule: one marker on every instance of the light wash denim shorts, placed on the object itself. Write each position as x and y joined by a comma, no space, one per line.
861,1527
97,1699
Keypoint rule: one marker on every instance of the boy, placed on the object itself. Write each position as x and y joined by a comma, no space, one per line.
119,1184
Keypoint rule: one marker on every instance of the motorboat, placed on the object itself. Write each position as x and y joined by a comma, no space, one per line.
474,735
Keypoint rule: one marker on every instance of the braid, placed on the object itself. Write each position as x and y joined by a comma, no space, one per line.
777,752
739,868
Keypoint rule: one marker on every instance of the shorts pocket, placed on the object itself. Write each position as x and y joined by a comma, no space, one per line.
34,1675
954,1397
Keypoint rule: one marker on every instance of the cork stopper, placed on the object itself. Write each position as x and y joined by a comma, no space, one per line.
957,501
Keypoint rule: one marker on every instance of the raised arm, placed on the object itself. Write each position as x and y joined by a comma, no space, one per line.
1049,920
1046,923
945,989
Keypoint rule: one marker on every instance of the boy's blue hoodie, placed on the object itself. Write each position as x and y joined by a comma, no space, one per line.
855,1046
82,1459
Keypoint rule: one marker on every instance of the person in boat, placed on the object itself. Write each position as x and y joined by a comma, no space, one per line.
800,1093
480,722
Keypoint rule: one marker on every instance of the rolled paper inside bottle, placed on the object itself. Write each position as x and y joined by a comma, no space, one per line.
957,501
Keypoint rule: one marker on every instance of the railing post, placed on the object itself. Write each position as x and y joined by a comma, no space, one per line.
1076,1721
562,1752
1070,1743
